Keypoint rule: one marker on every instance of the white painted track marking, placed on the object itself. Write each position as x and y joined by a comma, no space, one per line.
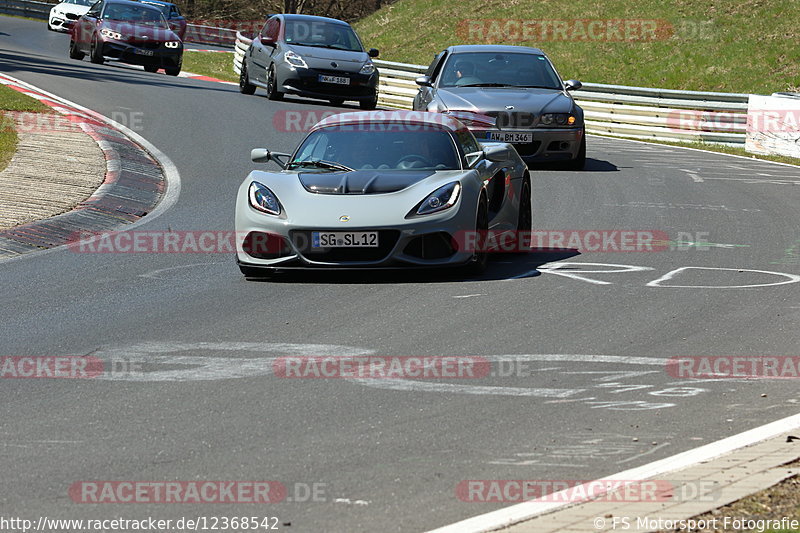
792,278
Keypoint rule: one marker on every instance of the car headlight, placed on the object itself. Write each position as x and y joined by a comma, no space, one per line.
263,199
172,44
440,199
557,119
368,68
111,34
294,59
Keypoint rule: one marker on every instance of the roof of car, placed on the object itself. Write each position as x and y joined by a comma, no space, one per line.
502,48
393,116
311,18
157,2
131,3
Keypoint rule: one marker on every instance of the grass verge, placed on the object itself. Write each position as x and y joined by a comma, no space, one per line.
11,100
214,64
749,46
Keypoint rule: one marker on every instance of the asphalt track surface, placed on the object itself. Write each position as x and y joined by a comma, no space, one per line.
388,454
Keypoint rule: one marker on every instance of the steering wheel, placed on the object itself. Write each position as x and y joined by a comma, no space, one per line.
411,158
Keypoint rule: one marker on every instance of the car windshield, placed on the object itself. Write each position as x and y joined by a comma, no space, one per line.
147,16
322,35
492,69
371,146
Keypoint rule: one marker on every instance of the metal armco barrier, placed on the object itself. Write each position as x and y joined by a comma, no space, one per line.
26,8
198,33
239,50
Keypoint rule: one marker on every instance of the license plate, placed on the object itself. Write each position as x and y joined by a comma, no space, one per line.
144,52
511,136
344,239
339,80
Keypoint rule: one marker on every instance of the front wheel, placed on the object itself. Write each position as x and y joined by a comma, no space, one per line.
272,85
245,87
173,71
477,265
580,161
95,52
369,104
74,53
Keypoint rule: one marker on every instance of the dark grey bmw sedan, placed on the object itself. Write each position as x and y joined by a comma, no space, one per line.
509,94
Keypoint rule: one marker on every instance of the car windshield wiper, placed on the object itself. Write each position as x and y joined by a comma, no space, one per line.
331,46
536,87
319,163
486,85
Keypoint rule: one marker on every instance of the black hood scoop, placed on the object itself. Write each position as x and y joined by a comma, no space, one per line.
362,181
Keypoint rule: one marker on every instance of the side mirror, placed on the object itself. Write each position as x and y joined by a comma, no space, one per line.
424,81
373,52
73,16
572,85
497,153
262,155
473,158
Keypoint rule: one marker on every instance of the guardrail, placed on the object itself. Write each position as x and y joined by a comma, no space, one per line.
637,112
26,8
198,33
239,49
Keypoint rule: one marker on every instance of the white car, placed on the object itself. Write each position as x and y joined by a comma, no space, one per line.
58,21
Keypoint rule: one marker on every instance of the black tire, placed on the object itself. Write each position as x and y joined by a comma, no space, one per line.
173,71
477,265
369,104
525,217
337,102
74,53
151,68
272,85
95,54
245,87
580,161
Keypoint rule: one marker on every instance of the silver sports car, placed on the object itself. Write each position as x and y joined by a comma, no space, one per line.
381,189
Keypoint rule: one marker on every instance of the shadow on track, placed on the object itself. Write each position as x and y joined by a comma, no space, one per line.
109,72
592,165
500,268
